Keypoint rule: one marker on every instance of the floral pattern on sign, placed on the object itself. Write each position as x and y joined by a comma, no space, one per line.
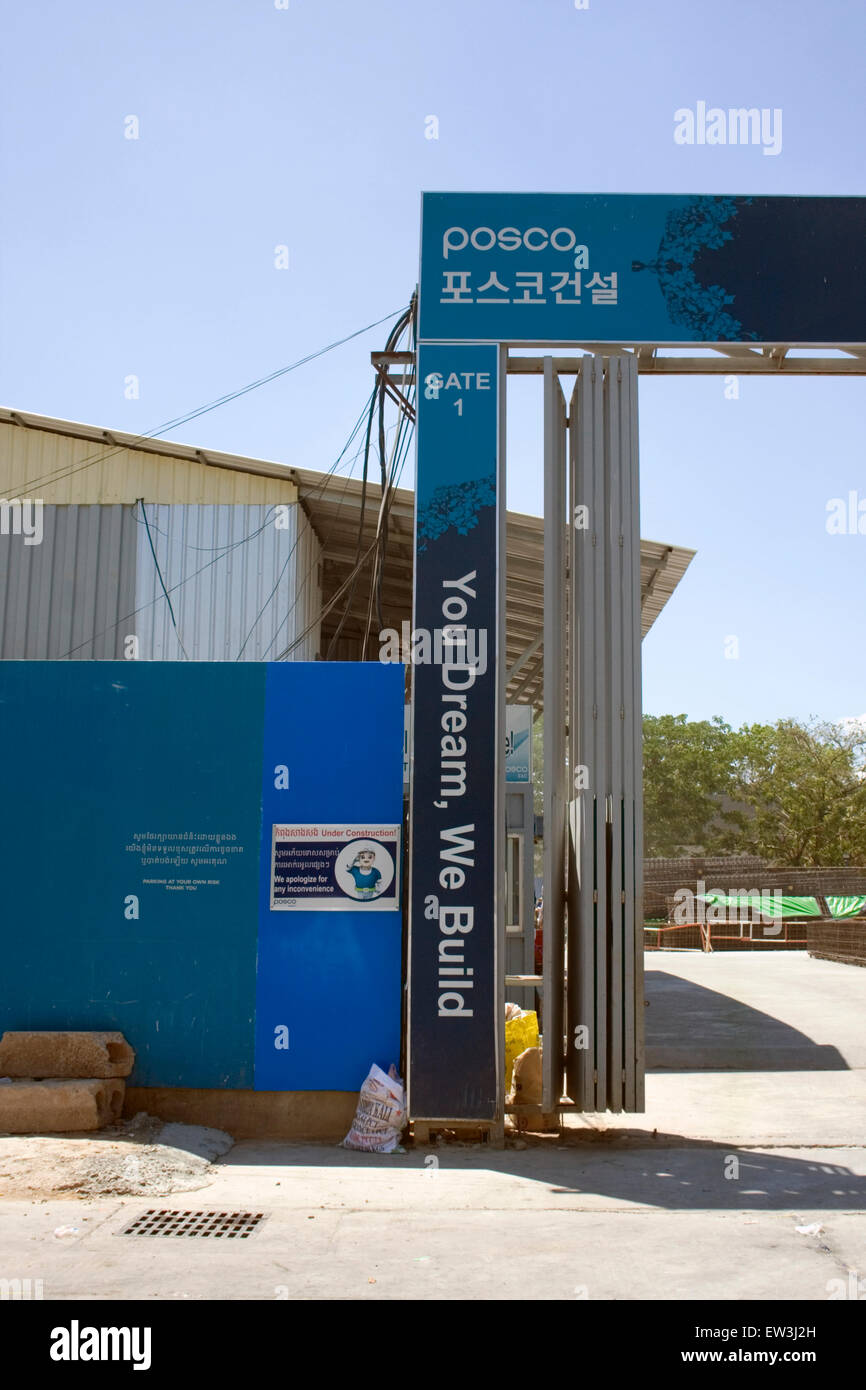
457,505
688,231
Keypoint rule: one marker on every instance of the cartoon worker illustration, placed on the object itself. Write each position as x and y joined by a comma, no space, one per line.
367,877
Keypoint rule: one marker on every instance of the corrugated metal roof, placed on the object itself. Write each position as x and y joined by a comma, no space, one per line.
60,461
334,507
164,472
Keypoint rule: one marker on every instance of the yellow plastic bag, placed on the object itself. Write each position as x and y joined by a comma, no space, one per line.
520,1033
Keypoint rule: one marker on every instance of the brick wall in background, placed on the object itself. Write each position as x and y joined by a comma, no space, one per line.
662,878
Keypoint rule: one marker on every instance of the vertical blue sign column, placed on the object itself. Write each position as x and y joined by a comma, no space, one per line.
457,741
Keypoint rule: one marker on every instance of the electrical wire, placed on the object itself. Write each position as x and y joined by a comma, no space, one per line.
299,587
377,579
328,606
59,474
382,533
335,635
270,596
321,488
162,581
224,551
407,319
348,582
386,499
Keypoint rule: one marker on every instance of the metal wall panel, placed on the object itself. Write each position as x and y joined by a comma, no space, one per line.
92,582
308,592
67,597
231,574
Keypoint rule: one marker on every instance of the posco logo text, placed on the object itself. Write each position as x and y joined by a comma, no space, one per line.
509,239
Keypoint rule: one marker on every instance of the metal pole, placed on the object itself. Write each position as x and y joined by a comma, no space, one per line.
580,1013
633,543
613,461
554,738
497,1130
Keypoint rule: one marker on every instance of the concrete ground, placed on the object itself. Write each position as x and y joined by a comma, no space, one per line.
702,1197
769,1012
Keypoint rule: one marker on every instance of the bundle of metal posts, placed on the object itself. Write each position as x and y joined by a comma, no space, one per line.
592,742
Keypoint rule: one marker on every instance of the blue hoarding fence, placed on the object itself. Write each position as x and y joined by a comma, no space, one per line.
137,829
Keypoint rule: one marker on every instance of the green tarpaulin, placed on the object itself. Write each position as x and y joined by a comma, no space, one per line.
784,905
847,907
767,904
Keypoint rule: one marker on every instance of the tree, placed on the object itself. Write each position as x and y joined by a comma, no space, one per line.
804,790
538,763
688,772
792,793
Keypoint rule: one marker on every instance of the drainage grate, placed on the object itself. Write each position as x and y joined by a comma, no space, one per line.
228,1224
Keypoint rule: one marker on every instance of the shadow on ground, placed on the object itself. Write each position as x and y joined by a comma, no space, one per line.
692,1028
664,1171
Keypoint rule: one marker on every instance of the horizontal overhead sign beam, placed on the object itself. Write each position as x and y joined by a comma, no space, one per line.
669,269
741,361
747,364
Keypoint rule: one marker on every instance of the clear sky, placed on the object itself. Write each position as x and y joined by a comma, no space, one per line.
260,126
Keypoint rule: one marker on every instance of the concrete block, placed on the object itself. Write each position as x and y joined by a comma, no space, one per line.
56,1107
292,1115
85,1055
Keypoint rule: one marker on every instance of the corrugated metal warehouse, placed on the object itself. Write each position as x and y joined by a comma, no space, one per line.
207,556
130,524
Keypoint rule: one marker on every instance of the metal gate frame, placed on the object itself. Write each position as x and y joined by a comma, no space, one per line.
606,439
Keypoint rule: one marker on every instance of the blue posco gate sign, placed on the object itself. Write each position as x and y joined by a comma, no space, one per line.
453,1011
656,268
